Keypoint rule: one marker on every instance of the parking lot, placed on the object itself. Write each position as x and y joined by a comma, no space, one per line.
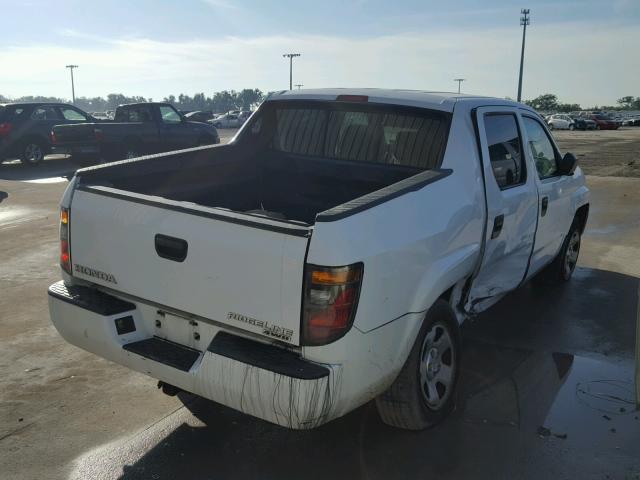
546,388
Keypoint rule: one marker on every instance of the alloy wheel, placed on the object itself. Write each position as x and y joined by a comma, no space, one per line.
437,366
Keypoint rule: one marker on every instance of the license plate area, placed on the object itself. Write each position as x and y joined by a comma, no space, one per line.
180,330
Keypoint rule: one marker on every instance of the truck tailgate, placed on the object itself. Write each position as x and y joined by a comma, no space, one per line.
245,274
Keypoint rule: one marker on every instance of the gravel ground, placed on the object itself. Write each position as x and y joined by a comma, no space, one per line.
614,153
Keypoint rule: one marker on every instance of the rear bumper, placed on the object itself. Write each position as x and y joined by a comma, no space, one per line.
262,380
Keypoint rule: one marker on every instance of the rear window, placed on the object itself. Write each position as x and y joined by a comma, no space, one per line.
392,135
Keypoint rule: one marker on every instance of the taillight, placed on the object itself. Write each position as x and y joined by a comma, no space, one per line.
5,129
54,140
65,250
330,302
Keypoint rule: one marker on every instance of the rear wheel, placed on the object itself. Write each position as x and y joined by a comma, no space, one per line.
33,152
424,391
132,151
572,126
551,126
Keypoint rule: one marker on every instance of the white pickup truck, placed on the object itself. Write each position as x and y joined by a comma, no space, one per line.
323,258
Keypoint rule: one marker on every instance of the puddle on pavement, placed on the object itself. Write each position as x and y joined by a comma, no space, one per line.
520,413
587,402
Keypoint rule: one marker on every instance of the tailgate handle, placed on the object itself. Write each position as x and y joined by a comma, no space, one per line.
171,248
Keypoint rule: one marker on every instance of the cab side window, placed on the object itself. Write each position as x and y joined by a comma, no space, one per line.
45,113
505,149
542,151
72,114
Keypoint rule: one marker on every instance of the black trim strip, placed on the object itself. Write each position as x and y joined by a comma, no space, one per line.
90,299
385,194
176,207
266,357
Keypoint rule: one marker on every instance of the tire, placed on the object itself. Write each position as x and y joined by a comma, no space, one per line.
131,151
561,269
551,127
423,394
217,125
597,127
206,140
32,152
572,126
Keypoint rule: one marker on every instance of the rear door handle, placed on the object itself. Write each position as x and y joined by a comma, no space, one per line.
497,226
171,248
545,204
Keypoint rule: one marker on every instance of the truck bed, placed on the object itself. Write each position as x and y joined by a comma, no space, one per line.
264,183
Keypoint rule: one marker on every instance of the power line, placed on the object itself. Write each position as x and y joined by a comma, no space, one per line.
524,21
73,90
459,80
290,57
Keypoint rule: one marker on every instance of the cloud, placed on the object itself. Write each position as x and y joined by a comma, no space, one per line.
579,65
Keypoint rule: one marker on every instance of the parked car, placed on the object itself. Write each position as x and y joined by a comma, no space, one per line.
25,128
227,120
631,122
100,115
603,122
244,115
583,123
561,122
138,129
199,116
325,257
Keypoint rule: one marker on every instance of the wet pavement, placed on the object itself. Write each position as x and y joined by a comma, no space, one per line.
546,389
521,414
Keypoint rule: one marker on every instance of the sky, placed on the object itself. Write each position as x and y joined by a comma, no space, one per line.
583,51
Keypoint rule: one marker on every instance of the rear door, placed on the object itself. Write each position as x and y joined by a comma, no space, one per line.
555,213
512,203
233,269
42,120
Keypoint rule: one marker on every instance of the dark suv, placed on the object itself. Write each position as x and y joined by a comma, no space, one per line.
25,128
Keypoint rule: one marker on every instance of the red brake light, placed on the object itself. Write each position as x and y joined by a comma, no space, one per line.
54,140
352,98
330,302
65,251
5,129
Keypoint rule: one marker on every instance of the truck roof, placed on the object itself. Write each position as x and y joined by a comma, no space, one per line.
142,103
444,101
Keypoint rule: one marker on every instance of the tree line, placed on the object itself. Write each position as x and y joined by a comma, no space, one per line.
219,102
549,103
248,98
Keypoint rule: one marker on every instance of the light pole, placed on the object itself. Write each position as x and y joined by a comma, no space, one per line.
524,21
290,57
459,80
73,90
299,85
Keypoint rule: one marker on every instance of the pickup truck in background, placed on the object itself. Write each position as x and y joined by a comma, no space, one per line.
137,129
326,257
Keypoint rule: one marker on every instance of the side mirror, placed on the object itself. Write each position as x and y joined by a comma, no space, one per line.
567,164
